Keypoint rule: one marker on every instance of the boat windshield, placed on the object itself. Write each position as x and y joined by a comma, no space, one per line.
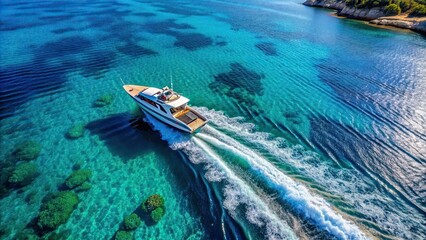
168,95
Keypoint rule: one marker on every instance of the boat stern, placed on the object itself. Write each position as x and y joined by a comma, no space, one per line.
199,127
191,118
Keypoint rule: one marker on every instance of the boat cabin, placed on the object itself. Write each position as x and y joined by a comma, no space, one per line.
167,100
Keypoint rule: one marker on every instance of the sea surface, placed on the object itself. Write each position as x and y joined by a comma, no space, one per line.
317,124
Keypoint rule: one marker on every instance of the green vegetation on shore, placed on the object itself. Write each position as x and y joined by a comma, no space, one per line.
415,8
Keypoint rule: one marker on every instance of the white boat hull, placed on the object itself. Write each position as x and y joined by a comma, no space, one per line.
171,109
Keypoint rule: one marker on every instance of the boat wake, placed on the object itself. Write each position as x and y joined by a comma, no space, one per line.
359,195
221,135
235,192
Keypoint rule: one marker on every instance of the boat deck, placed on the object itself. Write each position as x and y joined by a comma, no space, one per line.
194,125
134,90
190,118
183,112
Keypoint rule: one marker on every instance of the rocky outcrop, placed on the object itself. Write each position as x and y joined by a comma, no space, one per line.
418,26
332,4
362,14
373,15
346,11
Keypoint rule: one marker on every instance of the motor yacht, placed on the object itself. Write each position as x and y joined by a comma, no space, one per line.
167,106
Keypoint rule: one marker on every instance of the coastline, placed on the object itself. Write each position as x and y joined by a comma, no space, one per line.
389,27
374,16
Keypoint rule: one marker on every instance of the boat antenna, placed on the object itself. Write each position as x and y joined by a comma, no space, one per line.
122,81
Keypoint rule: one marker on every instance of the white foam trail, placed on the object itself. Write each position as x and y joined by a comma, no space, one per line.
348,183
236,191
310,205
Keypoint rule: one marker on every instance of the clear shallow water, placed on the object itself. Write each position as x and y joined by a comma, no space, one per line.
317,123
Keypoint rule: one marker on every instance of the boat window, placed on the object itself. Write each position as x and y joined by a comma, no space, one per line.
147,100
162,109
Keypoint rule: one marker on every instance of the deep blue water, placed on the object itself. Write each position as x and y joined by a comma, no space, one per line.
317,124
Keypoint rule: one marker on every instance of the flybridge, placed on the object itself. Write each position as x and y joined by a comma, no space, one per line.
164,96
167,95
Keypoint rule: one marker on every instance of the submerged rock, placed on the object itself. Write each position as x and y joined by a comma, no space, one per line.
83,187
154,206
153,202
240,83
123,235
23,174
57,210
76,131
27,150
157,214
267,48
242,78
26,234
77,178
104,100
5,173
132,222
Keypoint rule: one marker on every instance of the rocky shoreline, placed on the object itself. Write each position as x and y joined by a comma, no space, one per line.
373,15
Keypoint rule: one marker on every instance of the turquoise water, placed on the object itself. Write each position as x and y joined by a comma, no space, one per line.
317,124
